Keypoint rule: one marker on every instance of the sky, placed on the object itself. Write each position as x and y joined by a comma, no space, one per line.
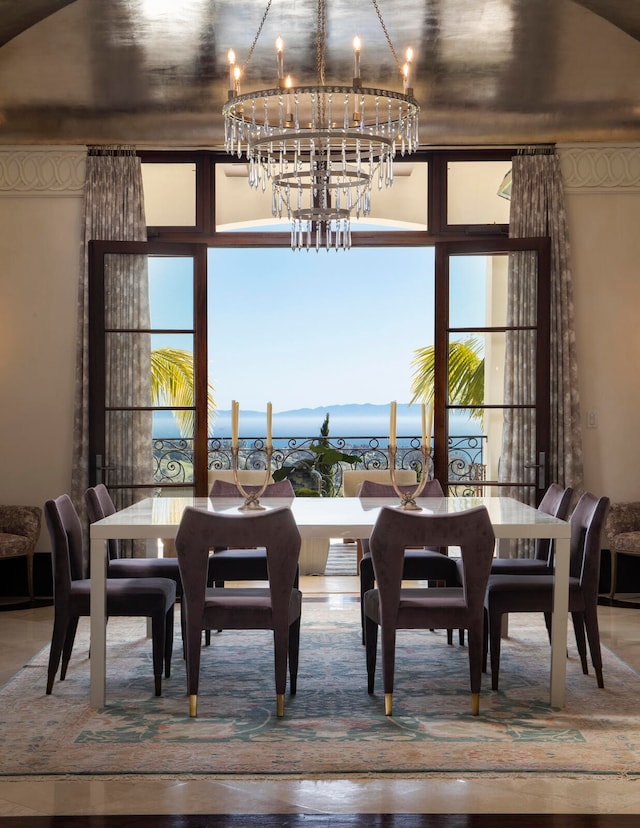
305,329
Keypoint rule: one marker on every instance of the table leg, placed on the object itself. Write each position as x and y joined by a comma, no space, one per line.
559,623
97,662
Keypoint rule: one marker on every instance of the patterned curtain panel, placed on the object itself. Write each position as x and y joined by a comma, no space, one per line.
537,209
114,210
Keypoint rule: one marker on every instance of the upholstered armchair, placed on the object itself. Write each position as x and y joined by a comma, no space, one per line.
19,533
623,531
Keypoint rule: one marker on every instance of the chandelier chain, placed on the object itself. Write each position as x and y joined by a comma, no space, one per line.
321,41
255,39
386,33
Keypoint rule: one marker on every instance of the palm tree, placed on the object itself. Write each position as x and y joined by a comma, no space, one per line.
466,375
172,383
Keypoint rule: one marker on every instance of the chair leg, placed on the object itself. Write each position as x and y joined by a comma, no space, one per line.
593,636
30,576
475,637
168,642
581,643
367,582
495,622
69,638
294,652
371,644
158,633
614,574
58,636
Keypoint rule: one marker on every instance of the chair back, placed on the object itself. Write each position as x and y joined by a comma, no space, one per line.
100,505
65,531
395,530
555,502
200,531
587,524
250,477
352,479
224,488
370,488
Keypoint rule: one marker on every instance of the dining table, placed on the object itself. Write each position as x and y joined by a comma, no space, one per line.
157,518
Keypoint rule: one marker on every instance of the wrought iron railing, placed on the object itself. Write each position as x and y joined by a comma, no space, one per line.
173,457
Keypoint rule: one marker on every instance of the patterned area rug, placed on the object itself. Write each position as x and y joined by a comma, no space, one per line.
332,726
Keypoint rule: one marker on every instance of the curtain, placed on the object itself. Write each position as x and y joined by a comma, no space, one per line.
114,210
537,209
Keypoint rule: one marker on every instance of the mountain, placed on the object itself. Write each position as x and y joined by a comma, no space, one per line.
346,420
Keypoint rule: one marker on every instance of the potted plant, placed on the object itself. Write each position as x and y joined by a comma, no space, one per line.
315,476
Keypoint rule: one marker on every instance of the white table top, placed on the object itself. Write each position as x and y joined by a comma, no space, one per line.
326,517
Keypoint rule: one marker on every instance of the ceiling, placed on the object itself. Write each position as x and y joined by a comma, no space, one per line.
154,72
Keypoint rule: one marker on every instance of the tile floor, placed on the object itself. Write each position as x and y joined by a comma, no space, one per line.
24,632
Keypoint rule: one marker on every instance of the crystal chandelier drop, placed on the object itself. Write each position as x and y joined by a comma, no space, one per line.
320,146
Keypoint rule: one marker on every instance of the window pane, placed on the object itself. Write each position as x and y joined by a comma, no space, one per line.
171,292
472,192
169,194
478,291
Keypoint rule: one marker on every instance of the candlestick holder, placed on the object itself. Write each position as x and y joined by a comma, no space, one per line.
408,499
251,499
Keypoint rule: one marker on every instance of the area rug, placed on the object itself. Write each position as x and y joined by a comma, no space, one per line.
332,726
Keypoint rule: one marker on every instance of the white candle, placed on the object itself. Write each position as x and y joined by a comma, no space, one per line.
356,57
392,425
408,79
231,55
424,424
235,412
269,419
280,53
430,425
236,80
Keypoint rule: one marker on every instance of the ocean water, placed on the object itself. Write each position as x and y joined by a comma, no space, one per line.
347,421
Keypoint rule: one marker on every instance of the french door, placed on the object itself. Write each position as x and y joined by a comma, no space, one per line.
492,367
147,310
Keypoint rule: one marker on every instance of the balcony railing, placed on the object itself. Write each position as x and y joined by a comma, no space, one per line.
173,457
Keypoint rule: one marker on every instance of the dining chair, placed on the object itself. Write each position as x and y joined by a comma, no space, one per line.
556,502
431,564
126,597
393,607
276,607
100,505
241,564
352,480
534,593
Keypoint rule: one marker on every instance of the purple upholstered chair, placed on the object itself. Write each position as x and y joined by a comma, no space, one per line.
276,607
556,502
534,593
100,505
393,608
138,597
419,564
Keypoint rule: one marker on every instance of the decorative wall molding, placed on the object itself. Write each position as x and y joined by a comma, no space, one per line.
43,171
600,168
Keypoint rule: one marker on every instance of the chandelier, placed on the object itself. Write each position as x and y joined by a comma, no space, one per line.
320,146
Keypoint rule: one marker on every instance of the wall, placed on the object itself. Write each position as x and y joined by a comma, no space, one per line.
602,186
40,221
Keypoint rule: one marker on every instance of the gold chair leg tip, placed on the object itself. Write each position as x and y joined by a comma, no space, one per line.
475,704
388,704
193,706
279,705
